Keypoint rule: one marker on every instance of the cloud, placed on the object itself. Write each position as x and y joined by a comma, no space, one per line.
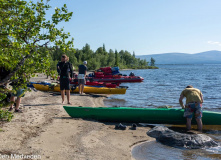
215,43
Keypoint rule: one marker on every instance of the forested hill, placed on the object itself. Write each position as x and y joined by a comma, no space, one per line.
209,57
99,58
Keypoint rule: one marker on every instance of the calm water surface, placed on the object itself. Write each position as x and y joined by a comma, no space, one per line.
162,87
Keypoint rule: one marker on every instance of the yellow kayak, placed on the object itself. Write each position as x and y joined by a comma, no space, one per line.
87,89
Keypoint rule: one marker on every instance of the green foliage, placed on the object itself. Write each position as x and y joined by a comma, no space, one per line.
152,62
3,97
25,36
5,115
111,58
116,59
152,67
100,58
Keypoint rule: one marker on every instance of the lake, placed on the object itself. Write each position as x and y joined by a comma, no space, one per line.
163,86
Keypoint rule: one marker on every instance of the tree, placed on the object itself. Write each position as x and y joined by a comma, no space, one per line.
111,58
24,30
116,59
104,48
93,64
100,51
87,53
133,54
152,62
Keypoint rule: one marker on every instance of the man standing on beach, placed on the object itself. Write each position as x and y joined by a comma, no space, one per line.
63,68
194,100
82,70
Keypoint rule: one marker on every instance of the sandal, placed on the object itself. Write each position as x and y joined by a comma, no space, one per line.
18,111
10,109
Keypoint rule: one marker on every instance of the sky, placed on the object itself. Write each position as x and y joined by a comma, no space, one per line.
145,26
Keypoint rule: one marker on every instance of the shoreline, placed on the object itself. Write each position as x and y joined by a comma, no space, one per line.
45,129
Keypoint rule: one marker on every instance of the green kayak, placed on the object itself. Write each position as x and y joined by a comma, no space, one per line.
140,115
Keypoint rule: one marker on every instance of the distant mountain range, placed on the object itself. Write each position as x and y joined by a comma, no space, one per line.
209,57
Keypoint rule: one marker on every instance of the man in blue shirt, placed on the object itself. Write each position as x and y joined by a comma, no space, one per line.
82,70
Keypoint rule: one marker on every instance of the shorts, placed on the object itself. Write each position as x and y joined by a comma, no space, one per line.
81,81
19,93
195,108
64,84
81,76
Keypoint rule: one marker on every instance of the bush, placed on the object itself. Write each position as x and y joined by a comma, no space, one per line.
5,115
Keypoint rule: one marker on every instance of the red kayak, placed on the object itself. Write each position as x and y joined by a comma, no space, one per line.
92,82
99,84
111,75
120,79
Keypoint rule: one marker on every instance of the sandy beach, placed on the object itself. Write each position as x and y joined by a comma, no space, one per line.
45,130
